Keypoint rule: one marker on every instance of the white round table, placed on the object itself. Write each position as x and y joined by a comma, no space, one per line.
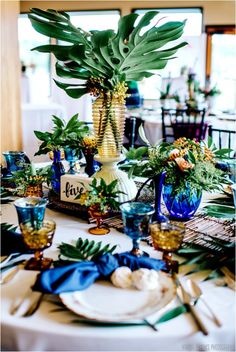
49,330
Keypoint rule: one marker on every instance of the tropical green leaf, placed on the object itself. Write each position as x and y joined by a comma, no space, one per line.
219,211
82,250
171,314
132,53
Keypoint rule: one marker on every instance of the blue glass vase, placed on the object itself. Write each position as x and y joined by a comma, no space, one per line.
92,165
71,157
57,171
15,161
181,206
31,210
158,186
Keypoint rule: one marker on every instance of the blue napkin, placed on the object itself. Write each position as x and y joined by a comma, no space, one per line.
79,276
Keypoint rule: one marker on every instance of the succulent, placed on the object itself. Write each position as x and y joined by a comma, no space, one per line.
104,60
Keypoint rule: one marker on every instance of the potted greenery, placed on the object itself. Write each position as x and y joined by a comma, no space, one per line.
29,181
101,199
104,61
63,136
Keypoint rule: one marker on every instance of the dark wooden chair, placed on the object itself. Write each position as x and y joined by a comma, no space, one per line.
222,138
132,139
189,123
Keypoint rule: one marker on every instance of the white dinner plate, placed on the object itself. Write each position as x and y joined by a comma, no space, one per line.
104,302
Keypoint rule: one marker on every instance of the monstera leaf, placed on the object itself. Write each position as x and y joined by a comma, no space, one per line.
132,53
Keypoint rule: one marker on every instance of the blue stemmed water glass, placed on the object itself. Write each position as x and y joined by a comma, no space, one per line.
71,157
136,218
31,210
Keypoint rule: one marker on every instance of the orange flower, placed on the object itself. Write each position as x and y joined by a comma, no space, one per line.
174,154
183,164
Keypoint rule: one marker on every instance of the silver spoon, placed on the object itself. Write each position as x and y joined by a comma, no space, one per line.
196,292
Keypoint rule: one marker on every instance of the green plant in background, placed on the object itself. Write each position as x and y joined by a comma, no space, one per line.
101,195
29,176
165,94
187,164
63,134
104,59
209,92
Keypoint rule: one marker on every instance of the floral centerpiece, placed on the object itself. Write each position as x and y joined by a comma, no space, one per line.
189,167
100,200
103,61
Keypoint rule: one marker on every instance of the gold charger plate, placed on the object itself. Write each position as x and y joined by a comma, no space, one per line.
104,302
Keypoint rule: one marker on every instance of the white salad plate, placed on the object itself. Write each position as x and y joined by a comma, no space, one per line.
104,302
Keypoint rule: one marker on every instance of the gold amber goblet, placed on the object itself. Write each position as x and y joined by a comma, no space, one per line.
167,237
38,238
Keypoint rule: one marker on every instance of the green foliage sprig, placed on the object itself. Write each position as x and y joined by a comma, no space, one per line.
63,135
102,195
82,250
206,259
102,59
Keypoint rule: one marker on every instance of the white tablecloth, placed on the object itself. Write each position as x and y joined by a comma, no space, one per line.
38,117
53,331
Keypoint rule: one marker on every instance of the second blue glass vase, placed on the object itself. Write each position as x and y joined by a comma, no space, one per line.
57,171
181,206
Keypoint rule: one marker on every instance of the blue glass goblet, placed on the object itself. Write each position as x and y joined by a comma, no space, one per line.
31,210
71,157
136,218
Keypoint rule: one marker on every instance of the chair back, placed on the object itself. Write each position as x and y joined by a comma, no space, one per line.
223,138
187,123
132,139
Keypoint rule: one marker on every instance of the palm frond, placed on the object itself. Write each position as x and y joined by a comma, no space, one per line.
82,250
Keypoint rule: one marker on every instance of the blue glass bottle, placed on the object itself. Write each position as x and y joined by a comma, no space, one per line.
92,165
181,206
57,171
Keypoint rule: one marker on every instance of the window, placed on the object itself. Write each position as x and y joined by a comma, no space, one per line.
97,20
220,63
188,58
36,78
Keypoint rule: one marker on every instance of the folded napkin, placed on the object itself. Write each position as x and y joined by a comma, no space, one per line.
79,276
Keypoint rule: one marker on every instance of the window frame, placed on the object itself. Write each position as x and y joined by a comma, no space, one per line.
210,30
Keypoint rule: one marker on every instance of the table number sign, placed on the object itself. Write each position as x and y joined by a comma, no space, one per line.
72,185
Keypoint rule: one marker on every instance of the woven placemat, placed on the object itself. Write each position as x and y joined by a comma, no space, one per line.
201,230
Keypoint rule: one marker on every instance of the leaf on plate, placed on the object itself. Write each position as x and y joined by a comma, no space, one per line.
171,314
